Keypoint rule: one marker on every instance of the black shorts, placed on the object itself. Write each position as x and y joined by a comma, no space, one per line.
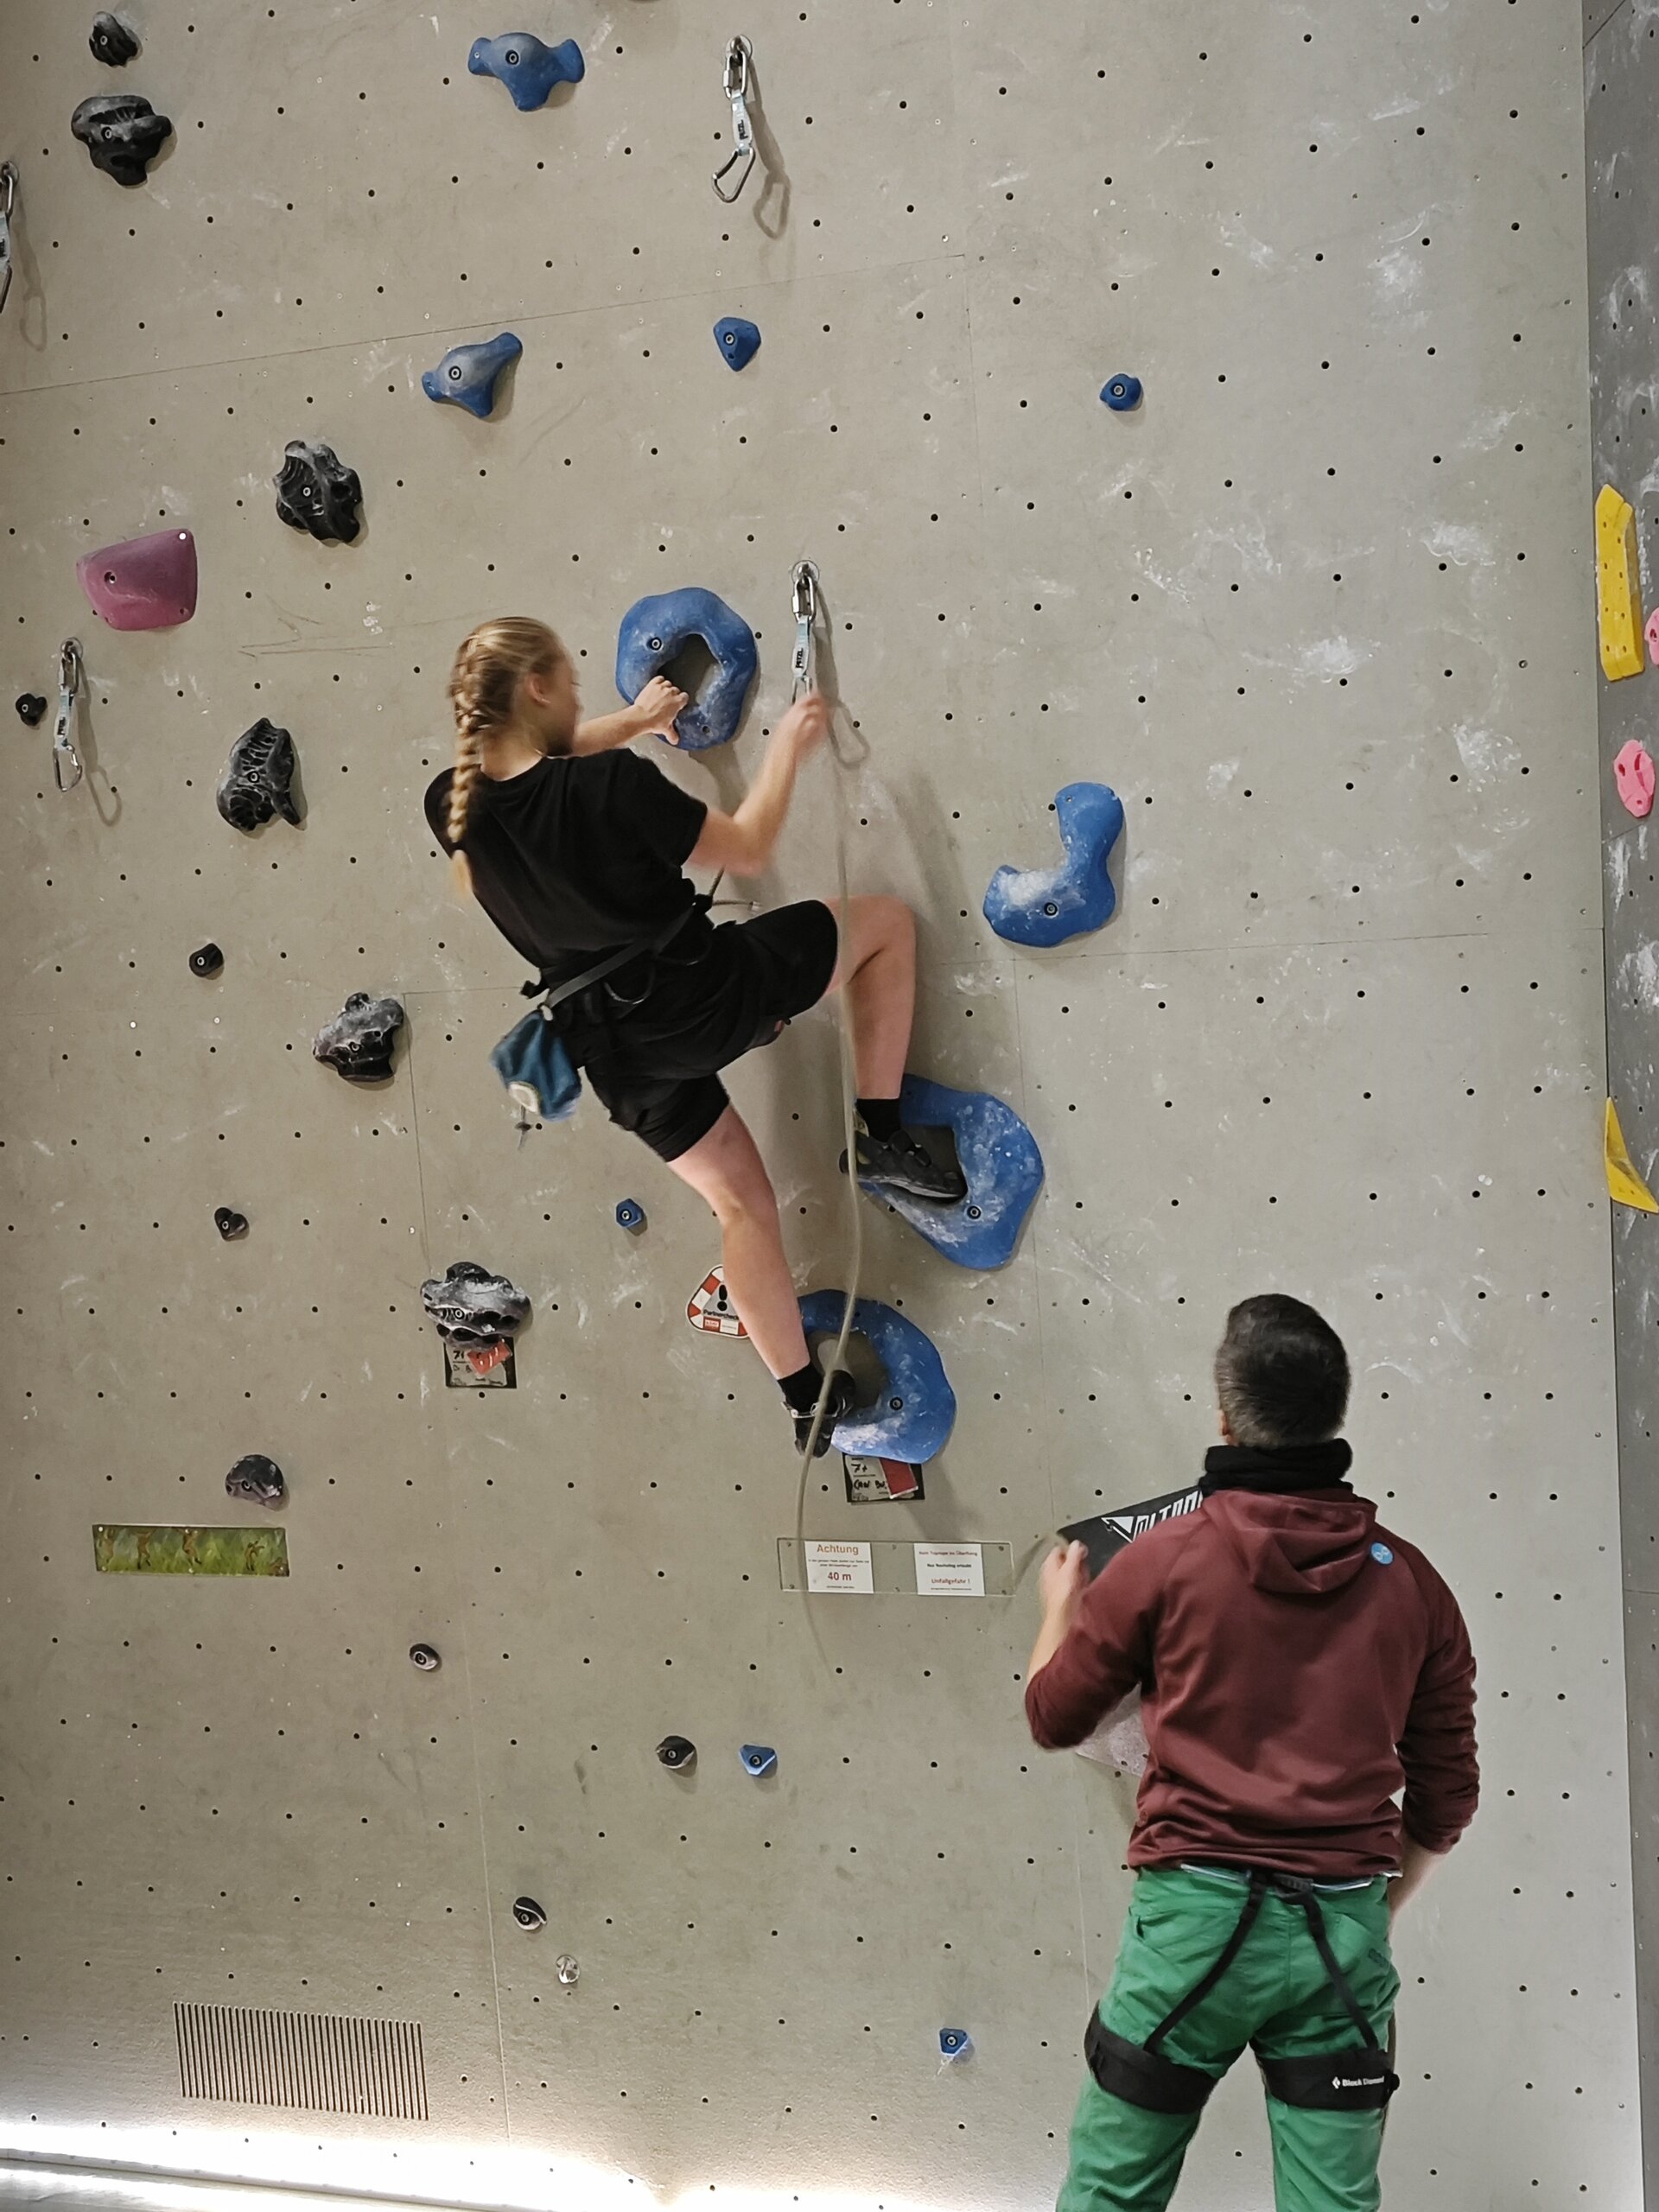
654,1066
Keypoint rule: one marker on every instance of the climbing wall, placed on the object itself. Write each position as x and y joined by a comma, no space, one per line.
1321,611
1621,87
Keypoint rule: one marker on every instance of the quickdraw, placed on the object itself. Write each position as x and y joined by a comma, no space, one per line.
8,202
70,677
735,85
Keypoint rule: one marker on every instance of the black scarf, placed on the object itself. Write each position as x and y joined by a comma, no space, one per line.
1286,1467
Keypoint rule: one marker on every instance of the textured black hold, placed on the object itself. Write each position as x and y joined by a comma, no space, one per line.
111,43
316,492
229,1223
470,1306
255,784
528,1913
425,1657
258,1479
207,960
122,132
32,707
358,1042
678,1753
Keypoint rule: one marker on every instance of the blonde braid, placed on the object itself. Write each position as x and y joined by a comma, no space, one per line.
490,663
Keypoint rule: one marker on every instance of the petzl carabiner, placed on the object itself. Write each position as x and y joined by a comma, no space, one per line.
8,201
802,667
70,674
735,85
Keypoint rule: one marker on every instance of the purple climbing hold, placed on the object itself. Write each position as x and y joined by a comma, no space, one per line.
145,583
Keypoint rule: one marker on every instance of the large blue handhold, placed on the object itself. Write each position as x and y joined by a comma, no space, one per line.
1045,906
655,630
739,341
913,1417
467,375
999,1156
528,69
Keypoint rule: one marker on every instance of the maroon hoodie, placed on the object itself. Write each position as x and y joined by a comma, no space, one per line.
1299,1665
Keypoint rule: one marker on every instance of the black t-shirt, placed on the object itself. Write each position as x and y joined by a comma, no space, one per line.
576,857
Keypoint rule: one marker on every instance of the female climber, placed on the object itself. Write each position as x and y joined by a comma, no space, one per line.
575,847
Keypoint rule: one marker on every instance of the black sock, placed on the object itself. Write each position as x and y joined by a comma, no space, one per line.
801,1388
880,1116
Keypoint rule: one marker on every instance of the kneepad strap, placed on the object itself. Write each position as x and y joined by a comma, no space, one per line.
1338,2080
1140,2077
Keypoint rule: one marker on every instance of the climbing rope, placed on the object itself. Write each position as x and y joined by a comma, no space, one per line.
804,673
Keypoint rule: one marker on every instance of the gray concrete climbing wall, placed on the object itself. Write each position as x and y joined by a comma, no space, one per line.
1321,611
1621,85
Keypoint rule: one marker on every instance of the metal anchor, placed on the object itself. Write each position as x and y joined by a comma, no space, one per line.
736,81
70,676
803,665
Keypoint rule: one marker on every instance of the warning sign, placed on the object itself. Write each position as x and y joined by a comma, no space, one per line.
710,1310
949,1571
839,1569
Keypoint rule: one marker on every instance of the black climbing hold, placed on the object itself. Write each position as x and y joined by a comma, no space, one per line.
31,708
258,1479
678,1753
207,960
317,492
255,784
1121,393
358,1042
229,1223
470,1306
528,1913
123,133
425,1657
111,43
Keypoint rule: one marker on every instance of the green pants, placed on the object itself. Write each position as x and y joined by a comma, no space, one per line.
1275,1996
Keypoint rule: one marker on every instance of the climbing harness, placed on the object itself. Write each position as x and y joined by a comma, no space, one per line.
70,676
8,201
803,600
1356,2079
735,83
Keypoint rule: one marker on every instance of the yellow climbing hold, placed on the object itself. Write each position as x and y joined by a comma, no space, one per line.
1625,1183
1618,586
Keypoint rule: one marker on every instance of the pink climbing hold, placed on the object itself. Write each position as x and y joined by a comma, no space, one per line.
1651,633
1633,773
147,583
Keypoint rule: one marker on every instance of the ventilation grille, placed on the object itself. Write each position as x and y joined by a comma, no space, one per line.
318,2062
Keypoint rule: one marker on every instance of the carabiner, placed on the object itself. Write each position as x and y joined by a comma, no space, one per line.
735,84
70,677
804,591
8,201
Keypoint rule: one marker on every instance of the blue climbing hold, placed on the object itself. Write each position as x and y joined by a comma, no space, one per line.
739,341
954,2043
631,1216
1045,906
467,375
1121,393
913,1418
655,630
1381,1554
999,1156
759,1760
528,69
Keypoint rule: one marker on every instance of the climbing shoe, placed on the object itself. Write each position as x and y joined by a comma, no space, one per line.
842,1400
902,1162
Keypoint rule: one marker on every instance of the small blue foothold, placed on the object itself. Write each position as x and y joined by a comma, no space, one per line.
631,1216
954,2043
1121,393
1381,1554
527,68
996,1152
1045,906
758,1758
739,341
467,375
913,1417
655,630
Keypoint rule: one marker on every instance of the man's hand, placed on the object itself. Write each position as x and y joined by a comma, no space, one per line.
1064,1579
653,711
805,726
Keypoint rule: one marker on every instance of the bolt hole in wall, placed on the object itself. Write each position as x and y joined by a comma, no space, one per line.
1337,1030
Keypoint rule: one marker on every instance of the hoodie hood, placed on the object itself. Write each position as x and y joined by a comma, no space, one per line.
1304,1546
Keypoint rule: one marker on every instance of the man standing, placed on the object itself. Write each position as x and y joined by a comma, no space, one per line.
1299,1666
